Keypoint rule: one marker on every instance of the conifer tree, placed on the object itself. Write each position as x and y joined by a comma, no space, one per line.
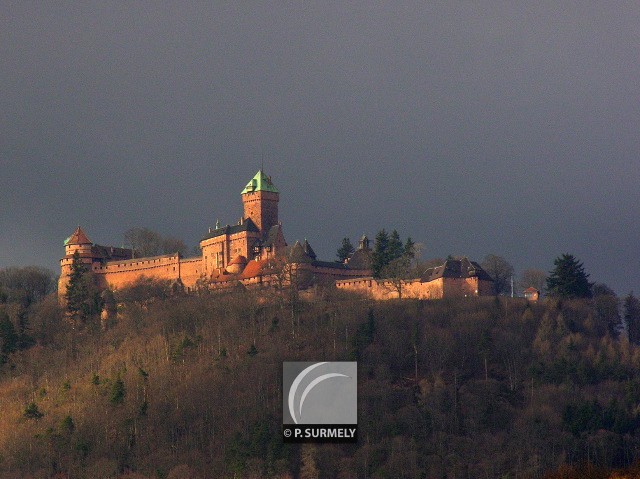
386,248
395,249
346,250
118,392
32,411
632,317
568,279
410,248
607,307
76,294
81,296
8,337
380,252
24,339
390,258
66,425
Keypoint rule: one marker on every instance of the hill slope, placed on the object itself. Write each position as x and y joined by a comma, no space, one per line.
190,387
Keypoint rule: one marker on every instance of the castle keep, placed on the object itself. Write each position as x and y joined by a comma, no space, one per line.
242,253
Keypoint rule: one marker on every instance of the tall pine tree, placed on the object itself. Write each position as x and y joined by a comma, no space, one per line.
346,250
82,298
395,249
8,337
24,339
632,317
568,279
380,252
390,254
410,249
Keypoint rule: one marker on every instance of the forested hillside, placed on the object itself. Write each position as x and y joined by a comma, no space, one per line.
189,387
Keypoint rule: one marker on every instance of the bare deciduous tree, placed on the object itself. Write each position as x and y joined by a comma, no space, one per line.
533,278
500,270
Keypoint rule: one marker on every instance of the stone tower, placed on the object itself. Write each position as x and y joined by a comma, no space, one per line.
79,242
260,200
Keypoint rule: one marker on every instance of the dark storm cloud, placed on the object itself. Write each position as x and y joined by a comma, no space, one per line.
507,128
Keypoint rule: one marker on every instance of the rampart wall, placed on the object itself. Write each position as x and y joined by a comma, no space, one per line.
417,289
191,270
116,274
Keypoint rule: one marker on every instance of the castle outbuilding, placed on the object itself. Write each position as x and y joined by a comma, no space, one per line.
455,278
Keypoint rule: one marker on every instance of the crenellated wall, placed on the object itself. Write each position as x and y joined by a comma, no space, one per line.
191,270
116,274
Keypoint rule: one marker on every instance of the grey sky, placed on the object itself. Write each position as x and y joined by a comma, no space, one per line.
475,128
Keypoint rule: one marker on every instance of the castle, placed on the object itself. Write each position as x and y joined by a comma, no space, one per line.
245,253
253,252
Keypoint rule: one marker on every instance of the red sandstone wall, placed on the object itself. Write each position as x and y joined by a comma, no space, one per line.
66,262
382,290
419,290
459,287
262,208
117,274
230,245
437,289
191,270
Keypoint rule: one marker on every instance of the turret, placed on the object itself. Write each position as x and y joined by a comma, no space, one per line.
364,243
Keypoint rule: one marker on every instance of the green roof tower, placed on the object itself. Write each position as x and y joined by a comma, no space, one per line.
260,200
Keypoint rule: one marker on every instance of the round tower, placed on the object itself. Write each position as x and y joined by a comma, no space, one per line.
260,200
80,243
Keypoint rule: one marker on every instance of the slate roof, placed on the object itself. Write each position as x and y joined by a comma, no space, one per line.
247,225
456,268
361,259
308,249
272,235
297,254
110,252
329,264
303,253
